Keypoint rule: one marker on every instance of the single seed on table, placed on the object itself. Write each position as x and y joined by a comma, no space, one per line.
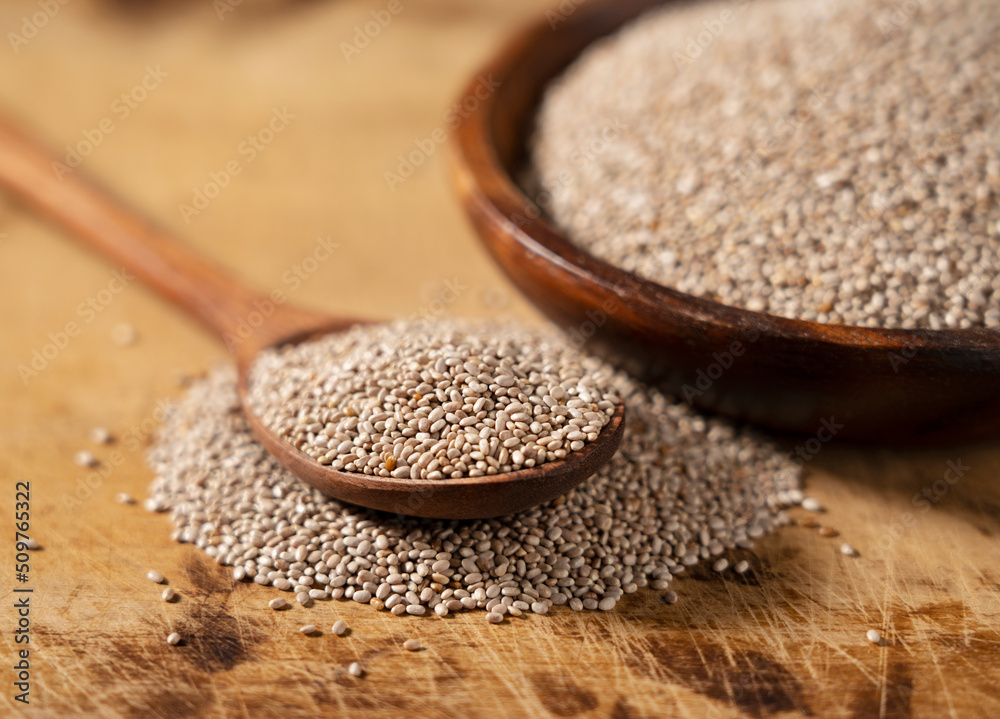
123,334
848,551
239,574
308,628
411,645
173,639
494,618
85,458
302,598
31,543
124,498
355,670
670,597
741,566
154,576
721,565
339,627
100,435
828,532
168,594
277,603
812,504
874,636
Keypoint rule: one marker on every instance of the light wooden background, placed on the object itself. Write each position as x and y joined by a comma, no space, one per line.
786,641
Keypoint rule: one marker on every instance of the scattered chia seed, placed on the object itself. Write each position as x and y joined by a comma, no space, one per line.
812,505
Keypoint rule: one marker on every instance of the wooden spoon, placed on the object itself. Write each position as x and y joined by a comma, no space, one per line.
227,308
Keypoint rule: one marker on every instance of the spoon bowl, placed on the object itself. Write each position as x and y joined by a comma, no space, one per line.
884,385
249,322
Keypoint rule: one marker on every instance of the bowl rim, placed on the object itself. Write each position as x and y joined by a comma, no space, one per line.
483,177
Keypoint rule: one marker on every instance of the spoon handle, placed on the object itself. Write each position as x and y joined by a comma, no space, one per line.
243,318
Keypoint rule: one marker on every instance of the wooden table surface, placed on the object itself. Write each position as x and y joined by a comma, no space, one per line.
786,640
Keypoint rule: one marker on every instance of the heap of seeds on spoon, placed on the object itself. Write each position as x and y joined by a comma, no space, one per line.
832,160
432,400
682,489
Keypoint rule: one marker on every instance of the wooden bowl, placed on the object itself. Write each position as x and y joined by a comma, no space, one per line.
898,386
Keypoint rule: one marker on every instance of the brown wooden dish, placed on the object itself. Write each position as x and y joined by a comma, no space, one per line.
900,386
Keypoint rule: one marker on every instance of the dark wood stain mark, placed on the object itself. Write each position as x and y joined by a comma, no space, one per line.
898,690
214,640
622,710
207,578
175,703
124,672
752,682
561,696
371,701
702,572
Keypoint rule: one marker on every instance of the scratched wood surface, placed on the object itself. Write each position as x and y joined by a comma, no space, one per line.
786,640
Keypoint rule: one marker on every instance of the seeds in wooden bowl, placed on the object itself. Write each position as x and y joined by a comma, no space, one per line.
432,400
816,160
682,489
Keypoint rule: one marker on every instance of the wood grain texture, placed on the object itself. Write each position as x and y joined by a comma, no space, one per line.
788,640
